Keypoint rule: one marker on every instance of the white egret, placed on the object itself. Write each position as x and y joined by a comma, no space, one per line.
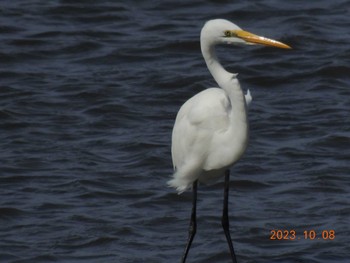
211,128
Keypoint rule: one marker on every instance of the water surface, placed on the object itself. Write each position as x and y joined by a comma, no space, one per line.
89,94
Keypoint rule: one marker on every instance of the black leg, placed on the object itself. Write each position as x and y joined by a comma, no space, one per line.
193,223
225,219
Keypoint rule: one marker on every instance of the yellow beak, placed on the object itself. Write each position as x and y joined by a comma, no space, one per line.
255,39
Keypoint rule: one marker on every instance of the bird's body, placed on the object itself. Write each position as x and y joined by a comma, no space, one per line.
211,128
210,134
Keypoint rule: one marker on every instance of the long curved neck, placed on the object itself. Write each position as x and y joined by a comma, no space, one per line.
226,80
218,72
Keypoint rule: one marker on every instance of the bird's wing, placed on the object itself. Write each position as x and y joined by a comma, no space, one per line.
198,120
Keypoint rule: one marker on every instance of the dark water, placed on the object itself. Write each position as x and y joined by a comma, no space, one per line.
89,93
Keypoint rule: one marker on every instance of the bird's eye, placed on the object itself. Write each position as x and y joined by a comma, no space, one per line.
228,33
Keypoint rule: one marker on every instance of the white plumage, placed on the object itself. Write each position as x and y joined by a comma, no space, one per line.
211,128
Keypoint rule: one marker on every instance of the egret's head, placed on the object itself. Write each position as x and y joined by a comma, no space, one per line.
221,31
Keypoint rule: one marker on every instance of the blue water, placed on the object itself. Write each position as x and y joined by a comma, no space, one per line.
89,94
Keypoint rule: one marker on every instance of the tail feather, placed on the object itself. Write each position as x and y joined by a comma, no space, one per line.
184,177
178,185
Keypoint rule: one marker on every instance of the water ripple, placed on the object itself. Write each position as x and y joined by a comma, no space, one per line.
89,94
